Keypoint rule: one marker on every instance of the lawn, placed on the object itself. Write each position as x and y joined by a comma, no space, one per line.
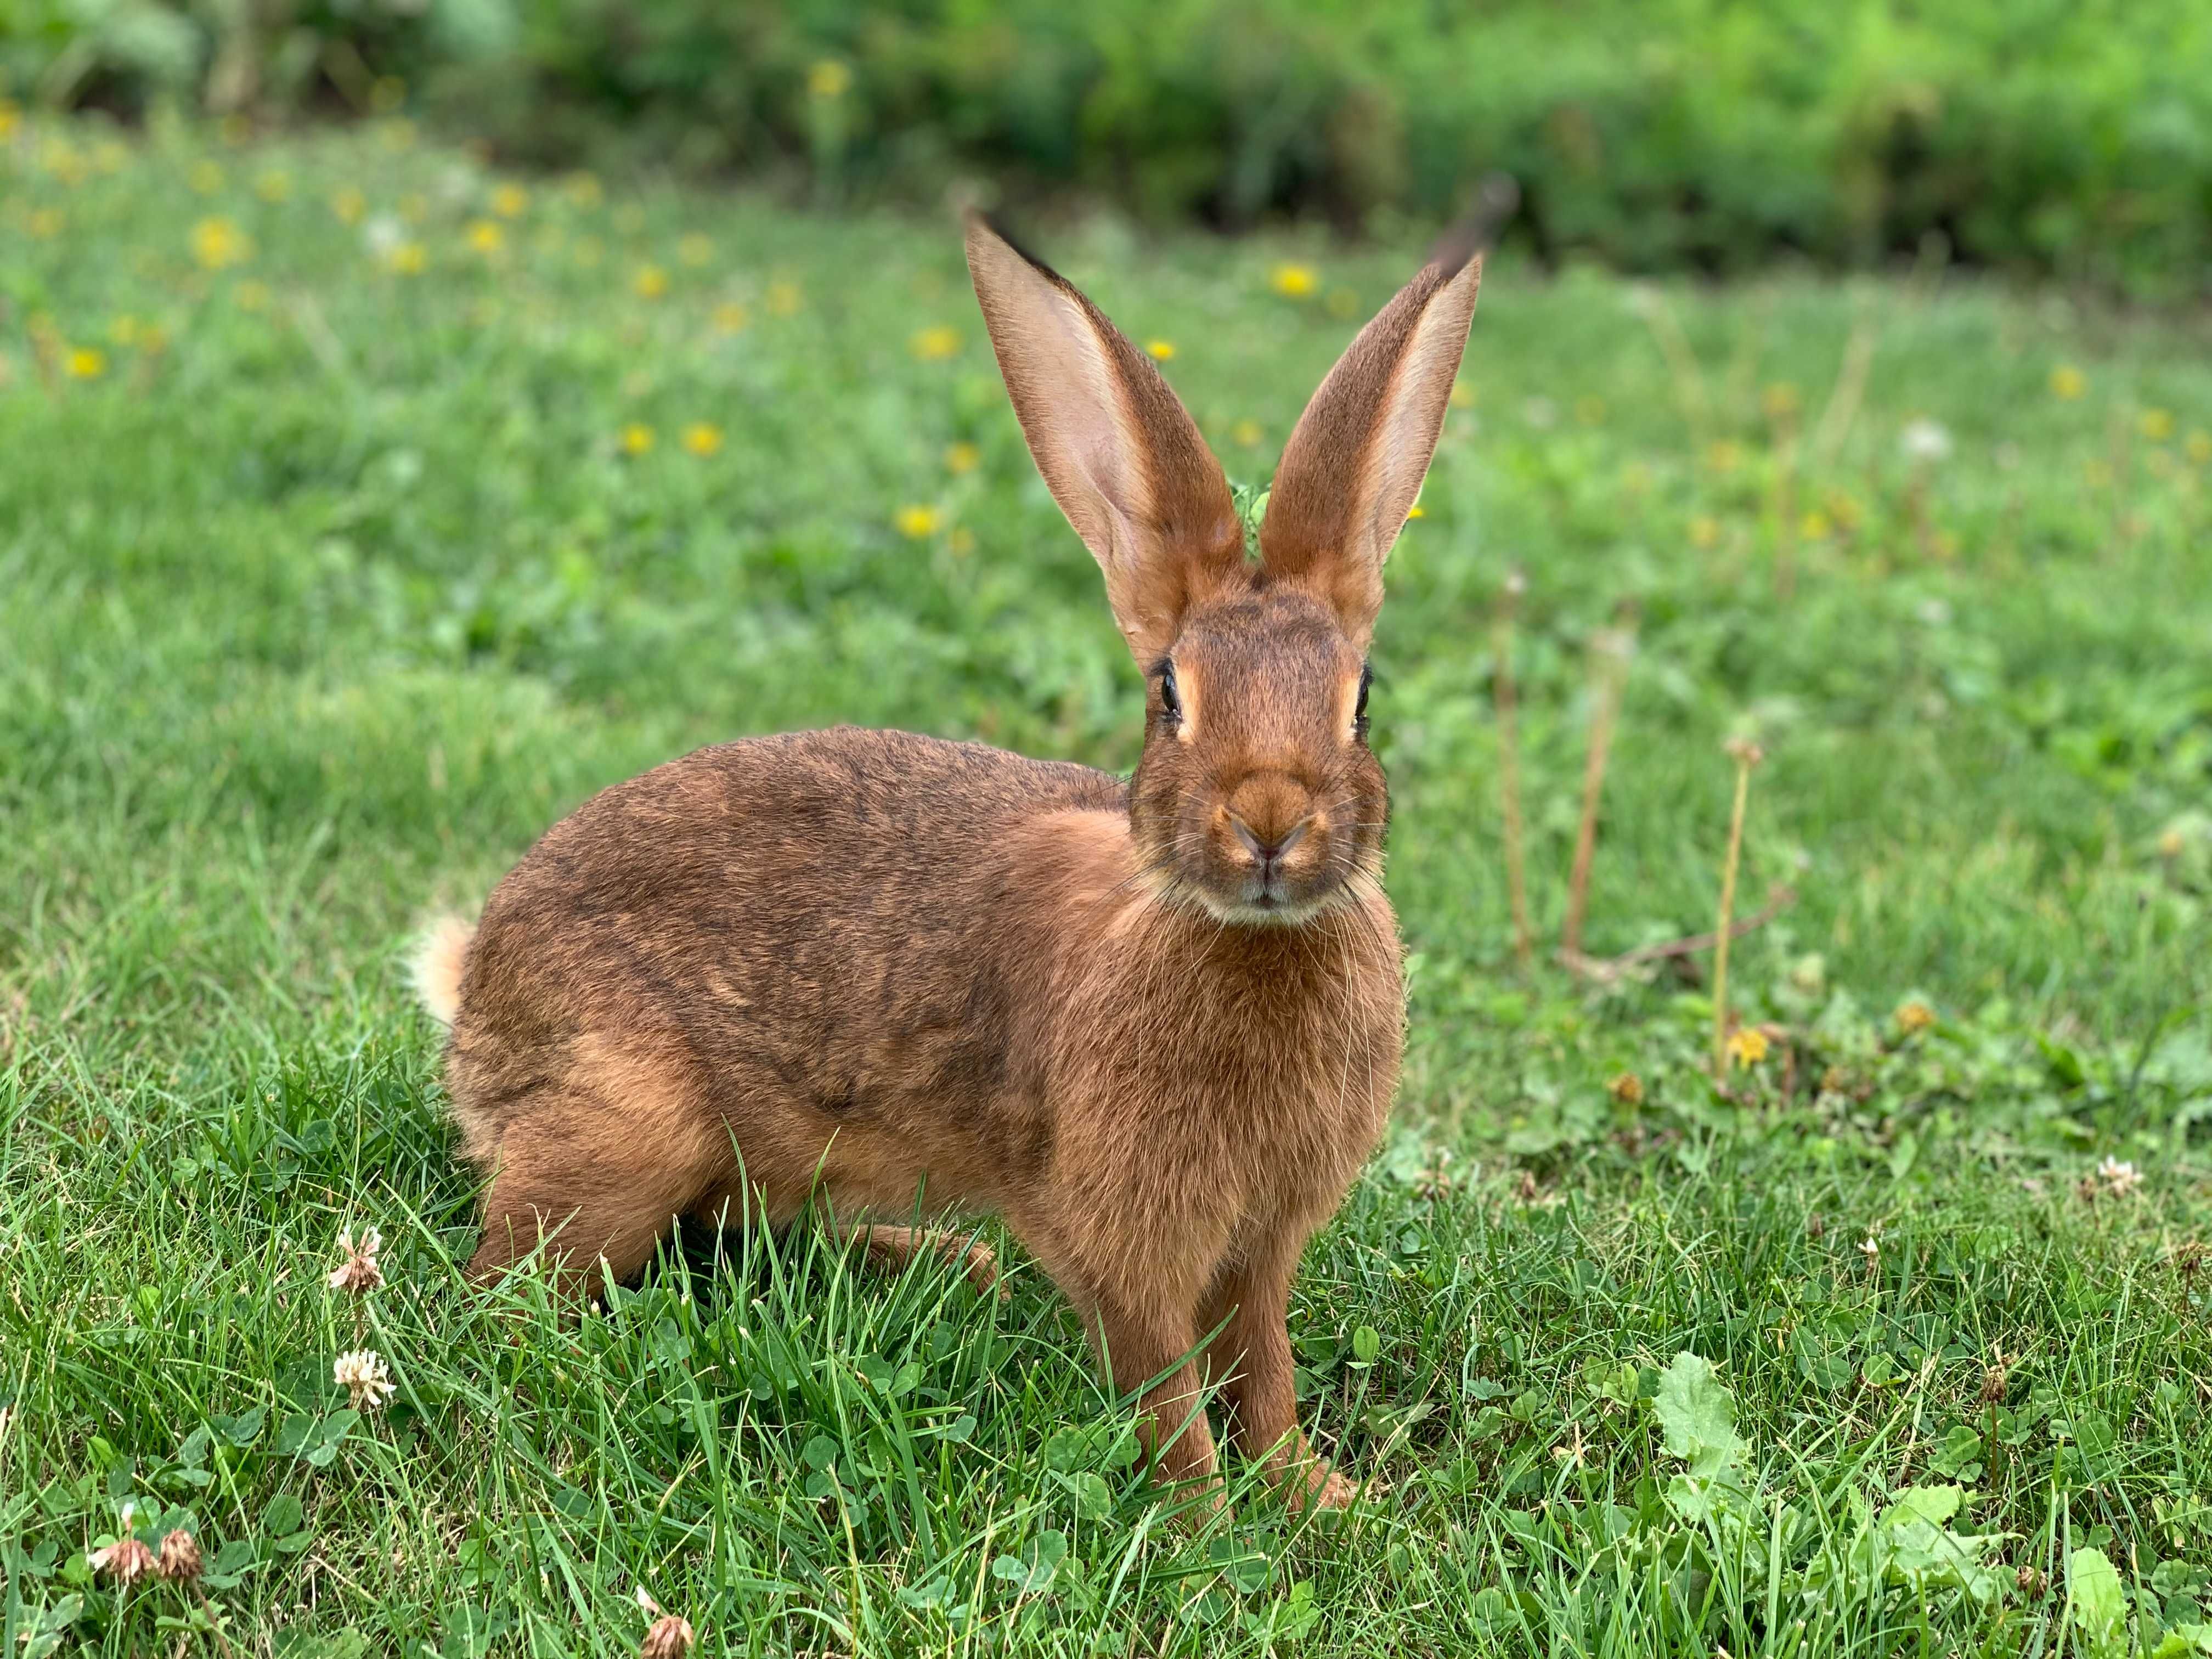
363,510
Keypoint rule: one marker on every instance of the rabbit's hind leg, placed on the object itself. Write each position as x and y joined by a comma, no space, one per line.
596,1178
891,1248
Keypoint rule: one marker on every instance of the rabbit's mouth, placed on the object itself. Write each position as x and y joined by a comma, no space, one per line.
1269,901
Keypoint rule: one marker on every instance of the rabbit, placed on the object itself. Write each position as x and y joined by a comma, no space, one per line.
1154,1023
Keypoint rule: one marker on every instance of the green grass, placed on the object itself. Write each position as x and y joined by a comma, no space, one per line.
321,604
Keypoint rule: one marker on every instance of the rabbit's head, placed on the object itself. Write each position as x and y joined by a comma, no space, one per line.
1257,796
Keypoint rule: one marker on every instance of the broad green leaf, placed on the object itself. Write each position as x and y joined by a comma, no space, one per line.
1696,1415
2096,1604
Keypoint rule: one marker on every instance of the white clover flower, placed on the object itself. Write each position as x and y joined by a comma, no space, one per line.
366,1378
383,234
1925,440
358,1272
2120,1177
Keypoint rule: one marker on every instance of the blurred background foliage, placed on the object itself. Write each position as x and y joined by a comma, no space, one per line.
2071,137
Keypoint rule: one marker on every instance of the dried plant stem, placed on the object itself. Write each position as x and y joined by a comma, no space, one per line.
1835,423
1746,756
1607,970
2117,434
215,1625
1689,382
1610,647
1785,506
1509,773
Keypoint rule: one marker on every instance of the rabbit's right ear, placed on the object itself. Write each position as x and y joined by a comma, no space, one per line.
1118,451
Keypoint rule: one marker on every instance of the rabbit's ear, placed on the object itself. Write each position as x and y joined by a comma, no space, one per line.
1356,460
1119,453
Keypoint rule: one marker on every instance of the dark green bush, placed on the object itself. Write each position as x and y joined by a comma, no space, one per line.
2070,137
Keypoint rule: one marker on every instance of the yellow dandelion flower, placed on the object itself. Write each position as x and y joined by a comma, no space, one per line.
1845,511
2067,382
1746,1047
1778,400
783,298
702,438
386,93
510,201
962,457
205,178
730,318
1814,525
694,249
1462,395
1162,350
274,185
582,190
2199,447
1705,531
486,237
1247,433
1914,1017
85,363
409,259
1416,511
1627,1088
349,204
2157,424
1294,281
650,281
1723,455
917,521
829,77
11,118
636,438
218,243
47,221
251,296
935,344
125,329
2171,843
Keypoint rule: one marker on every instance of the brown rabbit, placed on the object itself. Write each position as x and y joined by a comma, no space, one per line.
1154,1024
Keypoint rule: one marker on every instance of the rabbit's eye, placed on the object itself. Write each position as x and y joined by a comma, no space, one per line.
1359,708
1171,704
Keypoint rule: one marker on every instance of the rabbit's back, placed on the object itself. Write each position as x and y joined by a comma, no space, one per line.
796,947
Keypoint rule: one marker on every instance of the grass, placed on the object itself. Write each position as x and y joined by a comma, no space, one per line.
331,582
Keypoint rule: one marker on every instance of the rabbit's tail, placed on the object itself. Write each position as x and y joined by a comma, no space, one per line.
436,965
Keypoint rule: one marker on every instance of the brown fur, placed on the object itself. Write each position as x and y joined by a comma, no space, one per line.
1155,1025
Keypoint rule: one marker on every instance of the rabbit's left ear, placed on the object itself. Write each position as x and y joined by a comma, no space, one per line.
1355,461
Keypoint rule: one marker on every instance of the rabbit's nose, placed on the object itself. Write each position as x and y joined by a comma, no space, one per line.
1268,849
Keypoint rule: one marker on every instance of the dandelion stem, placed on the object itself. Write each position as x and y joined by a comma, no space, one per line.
1509,773
1610,647
1746,756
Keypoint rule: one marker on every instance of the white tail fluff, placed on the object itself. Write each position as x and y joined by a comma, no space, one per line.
437,966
